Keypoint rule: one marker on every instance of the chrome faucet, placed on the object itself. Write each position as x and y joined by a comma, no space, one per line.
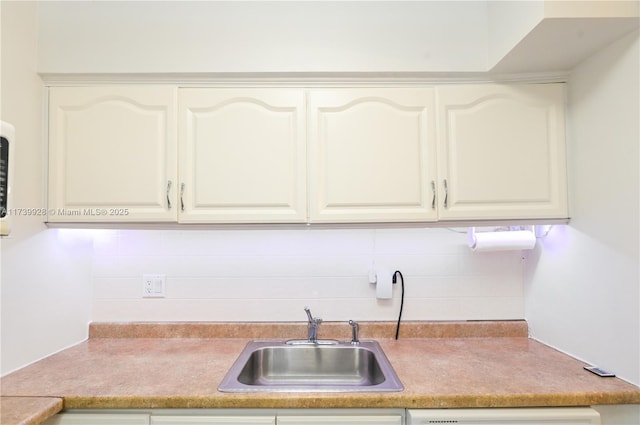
354,332
312,326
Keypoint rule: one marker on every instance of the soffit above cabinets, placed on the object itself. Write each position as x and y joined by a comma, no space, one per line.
432,39
562,43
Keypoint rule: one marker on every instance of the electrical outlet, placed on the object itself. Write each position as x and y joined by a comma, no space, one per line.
153,285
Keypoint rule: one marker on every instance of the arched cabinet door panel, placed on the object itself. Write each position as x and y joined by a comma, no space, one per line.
372,155
112,154
501,152
242,155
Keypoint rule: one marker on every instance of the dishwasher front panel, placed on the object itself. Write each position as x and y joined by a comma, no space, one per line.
505,416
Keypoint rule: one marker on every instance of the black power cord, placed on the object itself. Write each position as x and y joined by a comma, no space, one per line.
394,280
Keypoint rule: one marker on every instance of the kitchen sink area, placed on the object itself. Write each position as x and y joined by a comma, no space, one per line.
169,371
305,366
312,364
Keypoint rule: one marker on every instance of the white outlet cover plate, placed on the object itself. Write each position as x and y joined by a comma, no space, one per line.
153,285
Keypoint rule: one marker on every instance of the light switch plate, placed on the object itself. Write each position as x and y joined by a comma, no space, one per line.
153,285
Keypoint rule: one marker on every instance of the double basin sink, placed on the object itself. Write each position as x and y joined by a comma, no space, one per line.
305,366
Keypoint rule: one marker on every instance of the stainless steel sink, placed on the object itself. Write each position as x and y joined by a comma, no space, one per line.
305,366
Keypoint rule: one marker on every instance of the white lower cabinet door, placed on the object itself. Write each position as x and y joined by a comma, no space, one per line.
213,420
340,420
98,419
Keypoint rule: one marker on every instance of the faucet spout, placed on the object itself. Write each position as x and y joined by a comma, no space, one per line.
312,326
306,309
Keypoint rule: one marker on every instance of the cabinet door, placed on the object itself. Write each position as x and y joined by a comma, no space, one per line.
112,154
501,152
372,155
98,419
213,420
242,155
340,420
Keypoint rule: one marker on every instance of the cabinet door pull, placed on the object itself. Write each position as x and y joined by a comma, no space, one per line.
433,189
182,197
168,191
446,194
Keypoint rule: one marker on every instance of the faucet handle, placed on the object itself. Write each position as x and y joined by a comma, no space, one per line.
354,332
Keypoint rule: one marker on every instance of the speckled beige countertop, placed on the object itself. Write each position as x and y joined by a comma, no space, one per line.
27,410
451,365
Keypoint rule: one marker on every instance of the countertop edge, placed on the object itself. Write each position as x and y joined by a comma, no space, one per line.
366,400
29,410
50,406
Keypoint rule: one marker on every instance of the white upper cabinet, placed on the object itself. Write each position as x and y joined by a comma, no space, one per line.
501,152
242,155
153,153
112,154
372,155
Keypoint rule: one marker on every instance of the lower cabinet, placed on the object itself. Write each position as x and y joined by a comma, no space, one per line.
74,418
301,419
232,417
213,420
98,418
340,420
478,416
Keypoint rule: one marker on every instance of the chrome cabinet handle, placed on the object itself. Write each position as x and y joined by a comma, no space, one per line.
182,197
446,193
168,191
433,189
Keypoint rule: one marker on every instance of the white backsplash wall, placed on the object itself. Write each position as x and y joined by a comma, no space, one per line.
271,274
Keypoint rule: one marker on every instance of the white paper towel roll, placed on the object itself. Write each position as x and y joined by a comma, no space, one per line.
384,285
501,241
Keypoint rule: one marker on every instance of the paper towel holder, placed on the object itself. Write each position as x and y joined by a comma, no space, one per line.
540,231
513,238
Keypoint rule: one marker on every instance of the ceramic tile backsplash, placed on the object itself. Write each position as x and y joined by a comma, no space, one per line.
270,274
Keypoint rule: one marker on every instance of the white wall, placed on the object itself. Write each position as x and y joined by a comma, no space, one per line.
322,36
270,275
509,22
45,291
582,288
